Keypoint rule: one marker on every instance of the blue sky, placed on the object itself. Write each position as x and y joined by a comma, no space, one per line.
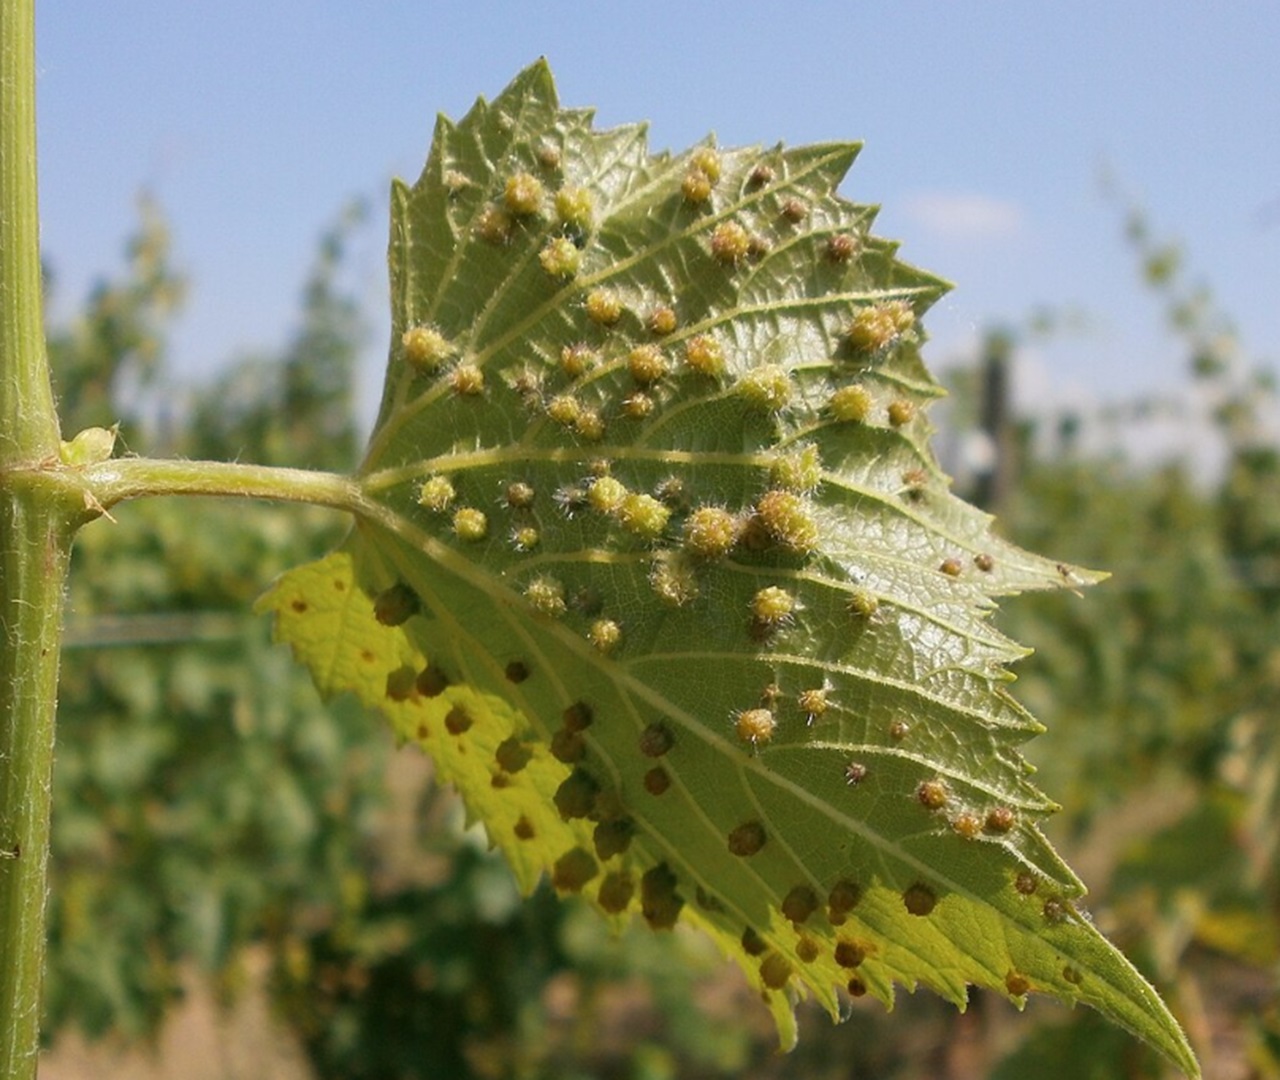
987,129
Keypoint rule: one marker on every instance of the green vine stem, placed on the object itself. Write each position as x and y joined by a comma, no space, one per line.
35,540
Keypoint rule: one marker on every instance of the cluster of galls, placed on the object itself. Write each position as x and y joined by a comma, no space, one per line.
935,795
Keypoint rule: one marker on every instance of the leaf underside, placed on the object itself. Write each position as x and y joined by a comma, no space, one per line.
657,564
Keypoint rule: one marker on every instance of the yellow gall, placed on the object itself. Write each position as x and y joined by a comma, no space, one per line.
813,703
862,602
467,380
589,425
901,412
646,364
696,187
704,355
674,579
773,606
967,825
643,515
470,524
842,247
662,320
755,726
904,318
519,495
576,360
932,794
560,257
604,307
879,325
523,194
637,405
730,242
437,493
800,471
549,155
425,347
606,494
706,160
794,210
1000,819
494,225
786,518
604,635
525,538
546,597
951,567
564,409
851,404
767,388
710,532
574,207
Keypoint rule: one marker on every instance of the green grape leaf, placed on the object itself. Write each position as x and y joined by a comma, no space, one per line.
656,562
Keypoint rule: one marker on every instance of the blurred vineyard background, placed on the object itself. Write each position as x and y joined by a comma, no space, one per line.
248,883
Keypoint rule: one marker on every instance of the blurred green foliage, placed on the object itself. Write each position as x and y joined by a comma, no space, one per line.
206,802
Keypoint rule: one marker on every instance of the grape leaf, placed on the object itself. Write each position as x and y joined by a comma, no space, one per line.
656,562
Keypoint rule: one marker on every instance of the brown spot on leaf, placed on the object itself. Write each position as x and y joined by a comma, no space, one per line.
656,740
1017,984
807,950
613,837
843,898
616,892
657,780
432,682
512,755
573,870
524,828
576,797
919,899
752,943
857,988
799,904
568,746
775,971
577,717
747,839
396,605
458,721
400,684
659,902
849,953
517,671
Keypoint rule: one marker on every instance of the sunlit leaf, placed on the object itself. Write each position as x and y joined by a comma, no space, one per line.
658,566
